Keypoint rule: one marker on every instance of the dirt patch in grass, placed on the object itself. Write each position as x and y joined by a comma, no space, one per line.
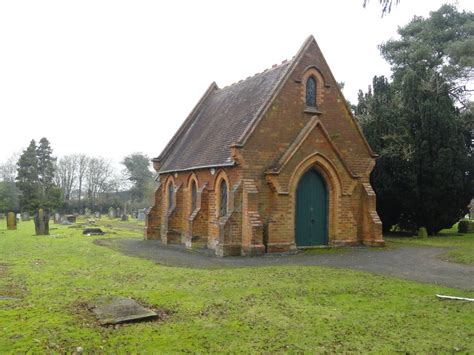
9,287
3,270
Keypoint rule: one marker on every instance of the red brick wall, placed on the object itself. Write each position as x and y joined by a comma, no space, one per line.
278,130
290,141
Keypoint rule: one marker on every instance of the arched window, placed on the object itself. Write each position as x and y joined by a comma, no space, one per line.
223,198
193,196
170,195
311,92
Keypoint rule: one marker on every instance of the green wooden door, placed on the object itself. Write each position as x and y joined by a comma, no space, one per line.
311,210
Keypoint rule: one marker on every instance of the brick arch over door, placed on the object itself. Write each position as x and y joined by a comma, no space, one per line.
326,169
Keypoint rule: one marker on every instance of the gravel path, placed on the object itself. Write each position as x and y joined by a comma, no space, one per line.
412,263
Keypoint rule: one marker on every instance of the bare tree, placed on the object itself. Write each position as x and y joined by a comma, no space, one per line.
83,163
99,173
9,168
67,169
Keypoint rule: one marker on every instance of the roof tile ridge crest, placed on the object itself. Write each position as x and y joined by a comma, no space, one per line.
213,87
292,63
273,67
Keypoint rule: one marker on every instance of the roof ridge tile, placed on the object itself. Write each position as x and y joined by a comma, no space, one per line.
273,67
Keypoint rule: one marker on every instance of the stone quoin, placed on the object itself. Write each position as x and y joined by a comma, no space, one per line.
269,164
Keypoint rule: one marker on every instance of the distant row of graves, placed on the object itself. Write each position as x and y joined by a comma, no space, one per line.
42,219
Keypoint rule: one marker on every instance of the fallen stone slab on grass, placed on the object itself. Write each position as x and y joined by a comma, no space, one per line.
92,231
114,310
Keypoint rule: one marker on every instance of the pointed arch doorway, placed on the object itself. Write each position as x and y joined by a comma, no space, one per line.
311,219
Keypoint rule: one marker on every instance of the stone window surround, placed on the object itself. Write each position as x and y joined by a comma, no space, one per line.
320,85
170,204
217,184
193,180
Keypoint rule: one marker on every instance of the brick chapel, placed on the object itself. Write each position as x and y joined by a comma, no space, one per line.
270,164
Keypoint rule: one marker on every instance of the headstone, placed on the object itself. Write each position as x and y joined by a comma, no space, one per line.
57,218
42,223
141,215
2,216
97,215
18,217
422,233
71,218
11,221
111,212
92,231
25,216
124,217
118,213
113,310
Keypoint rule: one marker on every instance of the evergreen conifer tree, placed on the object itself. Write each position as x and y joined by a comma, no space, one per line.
28,180
49,193
440,161
423,177
35,178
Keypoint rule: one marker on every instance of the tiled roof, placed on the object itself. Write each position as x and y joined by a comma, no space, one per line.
218,121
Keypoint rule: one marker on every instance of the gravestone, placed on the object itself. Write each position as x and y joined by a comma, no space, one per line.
11,221
2,216
141,215
111,213
71,218
18,217
97,215
25,216
57,218
92,231
118,212
116,309
42,223
422,233
125,217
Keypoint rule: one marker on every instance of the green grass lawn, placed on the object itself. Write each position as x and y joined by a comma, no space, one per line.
461,245
246,310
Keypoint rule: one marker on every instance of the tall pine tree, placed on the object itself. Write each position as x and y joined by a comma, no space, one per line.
28,180
35,178
49,193
441,161
379,114
423,177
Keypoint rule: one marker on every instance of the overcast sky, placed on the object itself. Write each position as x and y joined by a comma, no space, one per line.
108,78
